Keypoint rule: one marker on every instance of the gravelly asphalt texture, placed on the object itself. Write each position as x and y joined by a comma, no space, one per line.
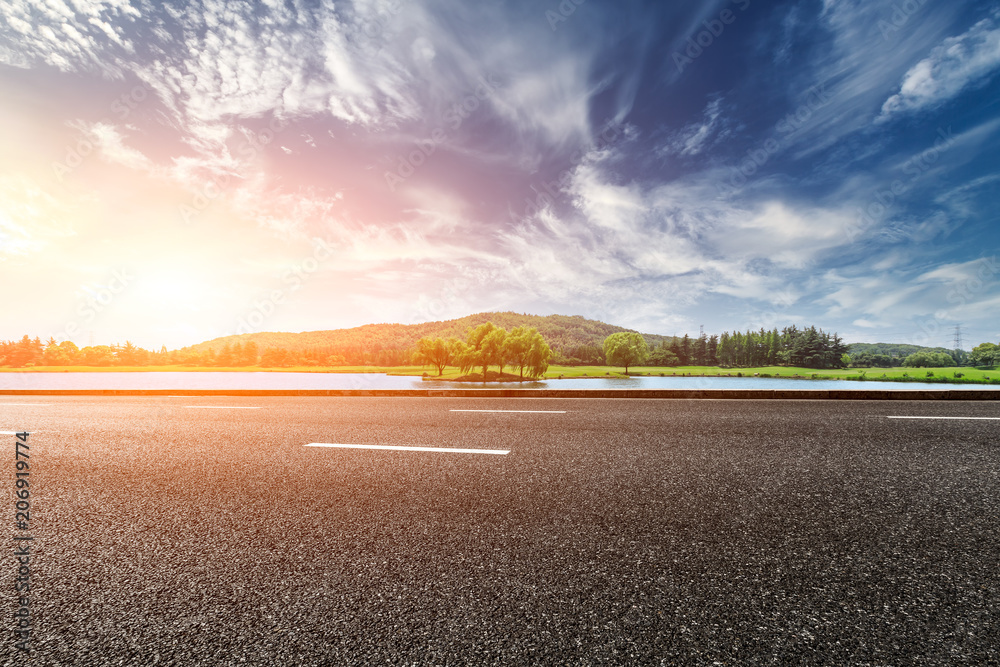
622,532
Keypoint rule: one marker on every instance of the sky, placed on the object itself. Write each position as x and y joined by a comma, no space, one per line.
176,171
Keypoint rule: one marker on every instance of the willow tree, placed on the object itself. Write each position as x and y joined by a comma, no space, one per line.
526,349
482,346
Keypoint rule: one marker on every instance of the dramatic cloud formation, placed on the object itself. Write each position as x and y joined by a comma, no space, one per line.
656,165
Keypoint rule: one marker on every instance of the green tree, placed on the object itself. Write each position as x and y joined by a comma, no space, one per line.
625,349
493,349
97,355
929,360
481,349
61,354
538,357
129,354
435,351
985,354
526,349
662,356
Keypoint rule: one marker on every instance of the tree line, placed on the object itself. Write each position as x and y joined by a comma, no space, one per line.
808,348
522,348
29,352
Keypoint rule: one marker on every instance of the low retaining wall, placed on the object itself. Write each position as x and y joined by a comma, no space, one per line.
781,394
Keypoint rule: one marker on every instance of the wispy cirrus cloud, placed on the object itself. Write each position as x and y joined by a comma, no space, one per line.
954,66
278,121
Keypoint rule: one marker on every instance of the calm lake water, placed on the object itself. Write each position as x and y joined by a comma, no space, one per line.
222,380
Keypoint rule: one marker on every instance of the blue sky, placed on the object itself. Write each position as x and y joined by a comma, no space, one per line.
174,171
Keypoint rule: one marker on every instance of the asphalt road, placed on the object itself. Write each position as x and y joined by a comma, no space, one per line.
615,532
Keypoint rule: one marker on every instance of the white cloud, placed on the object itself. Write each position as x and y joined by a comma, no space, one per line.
963,272
111,143
696,137
68,38
857,69
956,64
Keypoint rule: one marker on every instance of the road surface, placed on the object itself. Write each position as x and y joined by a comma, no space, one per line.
208,531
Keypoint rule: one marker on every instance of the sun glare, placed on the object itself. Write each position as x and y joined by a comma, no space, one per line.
173,289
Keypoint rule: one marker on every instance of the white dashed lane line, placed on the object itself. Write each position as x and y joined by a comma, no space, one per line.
548,412
223,407
412,448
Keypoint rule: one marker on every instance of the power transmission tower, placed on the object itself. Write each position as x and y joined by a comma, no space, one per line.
958,337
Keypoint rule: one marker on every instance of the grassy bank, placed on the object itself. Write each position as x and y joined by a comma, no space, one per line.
955,374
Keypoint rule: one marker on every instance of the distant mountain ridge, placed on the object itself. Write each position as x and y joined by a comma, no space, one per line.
562,332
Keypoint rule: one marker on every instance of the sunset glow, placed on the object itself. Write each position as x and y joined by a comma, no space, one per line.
656,165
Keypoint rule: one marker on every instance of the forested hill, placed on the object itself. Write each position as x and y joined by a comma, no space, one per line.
900,350
561,332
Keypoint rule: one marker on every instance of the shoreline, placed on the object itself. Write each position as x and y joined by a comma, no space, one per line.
509,379
725,394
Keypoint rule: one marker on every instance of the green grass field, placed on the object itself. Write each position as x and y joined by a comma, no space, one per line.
891,374
555,372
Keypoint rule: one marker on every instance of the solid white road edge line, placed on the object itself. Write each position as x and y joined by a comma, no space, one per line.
905,417
410,448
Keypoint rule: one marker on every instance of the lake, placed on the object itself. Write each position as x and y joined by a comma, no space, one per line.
278,380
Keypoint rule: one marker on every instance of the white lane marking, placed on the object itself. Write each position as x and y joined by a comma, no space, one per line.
16,432
32,404
224,407
988,418
549,412
409,448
